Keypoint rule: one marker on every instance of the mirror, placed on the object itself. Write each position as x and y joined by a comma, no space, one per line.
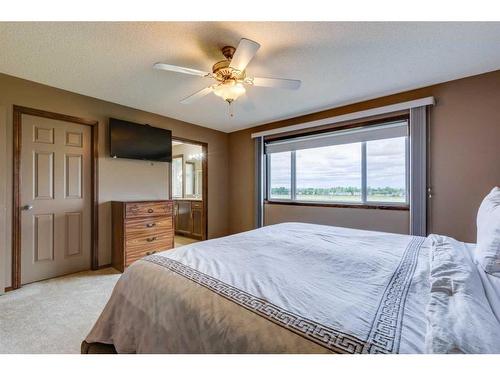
187,170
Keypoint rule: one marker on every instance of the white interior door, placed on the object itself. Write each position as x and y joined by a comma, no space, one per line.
55,198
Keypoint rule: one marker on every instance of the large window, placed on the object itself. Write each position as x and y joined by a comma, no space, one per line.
360,166
386,170
280,175
331,173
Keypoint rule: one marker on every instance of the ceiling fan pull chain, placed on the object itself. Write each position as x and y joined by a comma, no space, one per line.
230,109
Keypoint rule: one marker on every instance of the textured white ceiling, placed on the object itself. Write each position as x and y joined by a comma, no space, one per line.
338,63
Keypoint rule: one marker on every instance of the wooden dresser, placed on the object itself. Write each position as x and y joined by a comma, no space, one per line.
140,228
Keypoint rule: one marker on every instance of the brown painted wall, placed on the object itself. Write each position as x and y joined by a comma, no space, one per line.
394,221
119,179
465,153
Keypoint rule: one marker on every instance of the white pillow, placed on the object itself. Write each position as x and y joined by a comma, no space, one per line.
487,252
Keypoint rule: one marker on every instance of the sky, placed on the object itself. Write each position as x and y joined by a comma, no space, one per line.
340,165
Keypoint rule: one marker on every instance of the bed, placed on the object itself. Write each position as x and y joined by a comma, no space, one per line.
304,288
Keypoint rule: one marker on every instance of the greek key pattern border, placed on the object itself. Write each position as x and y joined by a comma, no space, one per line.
386,327
385,334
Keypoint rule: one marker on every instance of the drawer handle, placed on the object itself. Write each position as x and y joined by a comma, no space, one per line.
150,225
151,239
150,252
150,210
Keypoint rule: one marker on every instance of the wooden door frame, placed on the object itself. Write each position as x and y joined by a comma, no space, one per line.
18,111
204,189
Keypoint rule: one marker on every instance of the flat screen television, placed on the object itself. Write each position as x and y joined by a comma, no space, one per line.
135,141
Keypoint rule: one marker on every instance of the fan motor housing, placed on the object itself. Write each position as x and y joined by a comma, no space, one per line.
222,72
228,52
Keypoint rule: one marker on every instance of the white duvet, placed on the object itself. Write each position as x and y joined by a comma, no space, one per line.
298,287
464,306
345,290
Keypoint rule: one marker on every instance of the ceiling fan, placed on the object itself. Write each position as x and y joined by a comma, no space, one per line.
230,74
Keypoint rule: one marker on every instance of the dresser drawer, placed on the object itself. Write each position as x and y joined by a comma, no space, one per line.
139,227
132,257
136,242
137,248
145,209
195,204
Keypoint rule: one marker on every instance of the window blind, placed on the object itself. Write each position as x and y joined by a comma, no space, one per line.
361,134
418,167
259,181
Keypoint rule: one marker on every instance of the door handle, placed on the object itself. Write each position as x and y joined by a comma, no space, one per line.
150,225
27,207
151,239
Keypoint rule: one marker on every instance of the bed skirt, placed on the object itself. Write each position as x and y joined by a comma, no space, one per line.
97,348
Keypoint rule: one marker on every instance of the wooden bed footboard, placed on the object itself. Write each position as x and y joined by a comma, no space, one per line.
97,348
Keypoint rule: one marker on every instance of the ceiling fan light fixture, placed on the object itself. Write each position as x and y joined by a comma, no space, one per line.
229,90
230,75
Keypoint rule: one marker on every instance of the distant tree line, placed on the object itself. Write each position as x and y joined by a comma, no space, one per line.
341,190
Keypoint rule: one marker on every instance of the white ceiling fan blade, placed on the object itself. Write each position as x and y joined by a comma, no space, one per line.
197,95
180,69
289,84
245,52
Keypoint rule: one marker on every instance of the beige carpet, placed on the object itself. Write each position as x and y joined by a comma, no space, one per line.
181,241
55,315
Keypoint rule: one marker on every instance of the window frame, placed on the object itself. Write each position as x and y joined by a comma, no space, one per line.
364,202
181,156
192,164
